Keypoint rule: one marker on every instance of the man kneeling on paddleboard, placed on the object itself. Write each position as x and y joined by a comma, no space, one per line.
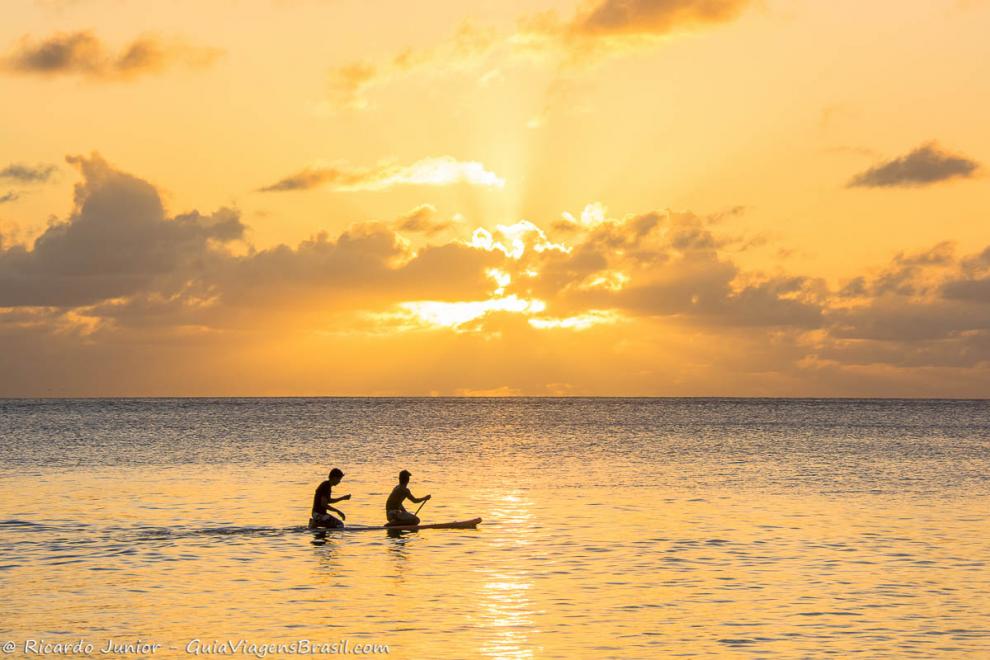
322,501
394,511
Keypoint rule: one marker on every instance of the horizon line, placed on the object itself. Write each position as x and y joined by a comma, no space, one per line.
469,397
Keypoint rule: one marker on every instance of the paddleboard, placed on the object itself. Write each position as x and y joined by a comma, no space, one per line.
459,524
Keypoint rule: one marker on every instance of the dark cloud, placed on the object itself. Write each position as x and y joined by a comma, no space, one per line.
907,274
702,292
925,309
896,320
366,267
77,52
28,174
604,26
8,197
446,272
975,290
421,220
925,165
972,282
119,243
82,53
854,288
963,352
671,265
653,17
305,180
116,242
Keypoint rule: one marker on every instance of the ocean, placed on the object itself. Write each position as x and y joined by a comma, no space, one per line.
612,528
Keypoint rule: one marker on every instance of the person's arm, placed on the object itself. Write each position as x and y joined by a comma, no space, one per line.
329,500
417,500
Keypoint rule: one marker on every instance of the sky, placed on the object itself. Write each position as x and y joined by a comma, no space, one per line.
543,198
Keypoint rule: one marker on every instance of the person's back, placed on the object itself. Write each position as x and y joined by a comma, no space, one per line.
320,497
396,498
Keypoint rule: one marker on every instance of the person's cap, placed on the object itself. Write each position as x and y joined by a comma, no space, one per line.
405,473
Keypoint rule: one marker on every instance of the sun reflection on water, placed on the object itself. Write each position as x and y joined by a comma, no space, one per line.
507,614
505,608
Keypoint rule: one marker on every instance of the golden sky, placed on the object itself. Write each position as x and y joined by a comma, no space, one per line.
610,197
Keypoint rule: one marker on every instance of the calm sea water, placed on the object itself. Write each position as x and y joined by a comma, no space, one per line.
612,527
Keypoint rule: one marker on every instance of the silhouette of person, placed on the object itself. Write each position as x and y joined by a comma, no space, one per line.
322,501
394,511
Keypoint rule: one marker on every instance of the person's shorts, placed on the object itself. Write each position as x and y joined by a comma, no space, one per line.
317,519
401,517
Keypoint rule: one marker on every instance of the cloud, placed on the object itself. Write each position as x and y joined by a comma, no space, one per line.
82,53
929,308
116,242
121,256
652,17
974,290
24,174
468,47
421,220
612,304
598,28
348,82
583,321
433,171
458,314
503,391
608,26
27,174
672,265
368,267
925,165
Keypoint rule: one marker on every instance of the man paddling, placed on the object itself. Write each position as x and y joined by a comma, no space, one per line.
322,501
394,511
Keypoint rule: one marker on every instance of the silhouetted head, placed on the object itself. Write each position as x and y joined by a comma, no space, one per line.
404,477
335,476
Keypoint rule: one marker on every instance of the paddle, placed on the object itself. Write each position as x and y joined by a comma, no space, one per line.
421,505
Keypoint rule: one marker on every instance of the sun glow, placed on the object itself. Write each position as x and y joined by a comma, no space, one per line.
592,215
442,171
513,240
578,322
502,279
456,314
611,280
